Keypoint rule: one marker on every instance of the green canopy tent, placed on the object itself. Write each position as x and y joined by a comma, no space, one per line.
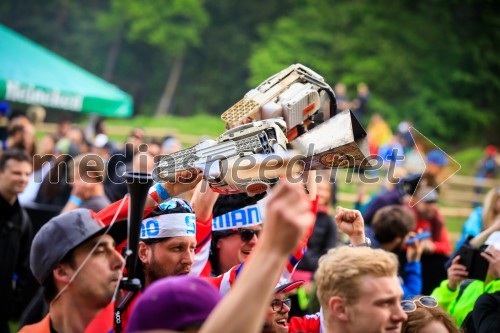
31,74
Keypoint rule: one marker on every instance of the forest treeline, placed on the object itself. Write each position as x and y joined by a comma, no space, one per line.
434,62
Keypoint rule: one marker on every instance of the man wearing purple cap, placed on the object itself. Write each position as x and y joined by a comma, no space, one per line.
73,256
180,303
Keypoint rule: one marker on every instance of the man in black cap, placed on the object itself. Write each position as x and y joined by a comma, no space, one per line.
73,256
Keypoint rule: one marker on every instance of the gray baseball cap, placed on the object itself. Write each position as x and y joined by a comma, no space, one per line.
62,234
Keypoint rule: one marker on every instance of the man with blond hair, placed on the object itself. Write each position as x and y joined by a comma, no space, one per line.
359,291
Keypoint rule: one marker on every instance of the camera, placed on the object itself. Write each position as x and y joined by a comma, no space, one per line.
476,265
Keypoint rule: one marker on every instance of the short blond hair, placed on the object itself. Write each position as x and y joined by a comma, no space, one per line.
341,269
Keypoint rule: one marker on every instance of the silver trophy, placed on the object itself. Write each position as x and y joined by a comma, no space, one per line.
250,157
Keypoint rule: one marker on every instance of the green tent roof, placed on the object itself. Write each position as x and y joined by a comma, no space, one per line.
31,74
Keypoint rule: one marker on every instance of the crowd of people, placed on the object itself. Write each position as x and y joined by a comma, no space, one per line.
281,261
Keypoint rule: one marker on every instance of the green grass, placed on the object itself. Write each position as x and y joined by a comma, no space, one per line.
194,125
468,159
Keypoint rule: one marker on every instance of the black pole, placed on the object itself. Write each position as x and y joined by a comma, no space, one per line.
138,186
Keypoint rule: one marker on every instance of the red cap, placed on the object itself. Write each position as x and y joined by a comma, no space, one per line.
287,287
491,150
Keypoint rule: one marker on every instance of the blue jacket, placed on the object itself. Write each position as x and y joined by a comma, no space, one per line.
472,226
411,281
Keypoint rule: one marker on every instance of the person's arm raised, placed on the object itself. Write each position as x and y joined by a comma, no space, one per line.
288,216
185,180
203,201
350,222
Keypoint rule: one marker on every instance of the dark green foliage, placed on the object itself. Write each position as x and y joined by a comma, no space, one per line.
435,62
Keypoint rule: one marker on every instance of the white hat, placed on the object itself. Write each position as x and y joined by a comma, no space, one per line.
101,140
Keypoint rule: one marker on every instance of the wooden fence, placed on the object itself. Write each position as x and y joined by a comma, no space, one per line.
457,195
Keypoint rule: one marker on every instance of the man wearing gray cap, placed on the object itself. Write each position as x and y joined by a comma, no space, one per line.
73,256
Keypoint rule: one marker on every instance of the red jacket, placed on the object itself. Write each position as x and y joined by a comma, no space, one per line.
438,230
306,324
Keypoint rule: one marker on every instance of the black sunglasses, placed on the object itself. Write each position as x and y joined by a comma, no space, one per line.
245,234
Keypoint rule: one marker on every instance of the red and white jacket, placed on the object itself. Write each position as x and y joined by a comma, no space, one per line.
226,280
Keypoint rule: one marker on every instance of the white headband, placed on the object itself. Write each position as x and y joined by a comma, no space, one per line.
239,218
169,225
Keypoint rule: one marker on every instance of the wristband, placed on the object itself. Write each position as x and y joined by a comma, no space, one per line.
75,200
162,192
158,193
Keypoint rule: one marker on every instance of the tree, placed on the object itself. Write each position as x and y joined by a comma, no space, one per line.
172,26
410,53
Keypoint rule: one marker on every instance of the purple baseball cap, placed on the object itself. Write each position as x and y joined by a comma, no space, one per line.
174,303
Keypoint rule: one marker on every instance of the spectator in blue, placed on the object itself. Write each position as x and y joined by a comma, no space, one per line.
4,113
488,168
481,218
391,228
392,153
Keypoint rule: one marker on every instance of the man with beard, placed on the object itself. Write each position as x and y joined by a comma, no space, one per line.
168,240
166,248
391,228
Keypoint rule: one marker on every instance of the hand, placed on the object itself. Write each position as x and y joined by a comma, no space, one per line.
288,217
414,250
81,190
456,273
493,256
184,181
350,222
428,246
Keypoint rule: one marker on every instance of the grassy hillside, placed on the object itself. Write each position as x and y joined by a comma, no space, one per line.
196,125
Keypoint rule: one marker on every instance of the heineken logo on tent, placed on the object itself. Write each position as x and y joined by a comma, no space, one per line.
30,94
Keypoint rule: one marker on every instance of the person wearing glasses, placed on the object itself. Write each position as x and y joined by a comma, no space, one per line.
277,313
228,227
424,316
232,246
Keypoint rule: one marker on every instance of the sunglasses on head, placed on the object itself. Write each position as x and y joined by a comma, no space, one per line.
245,234
411,305
174,203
